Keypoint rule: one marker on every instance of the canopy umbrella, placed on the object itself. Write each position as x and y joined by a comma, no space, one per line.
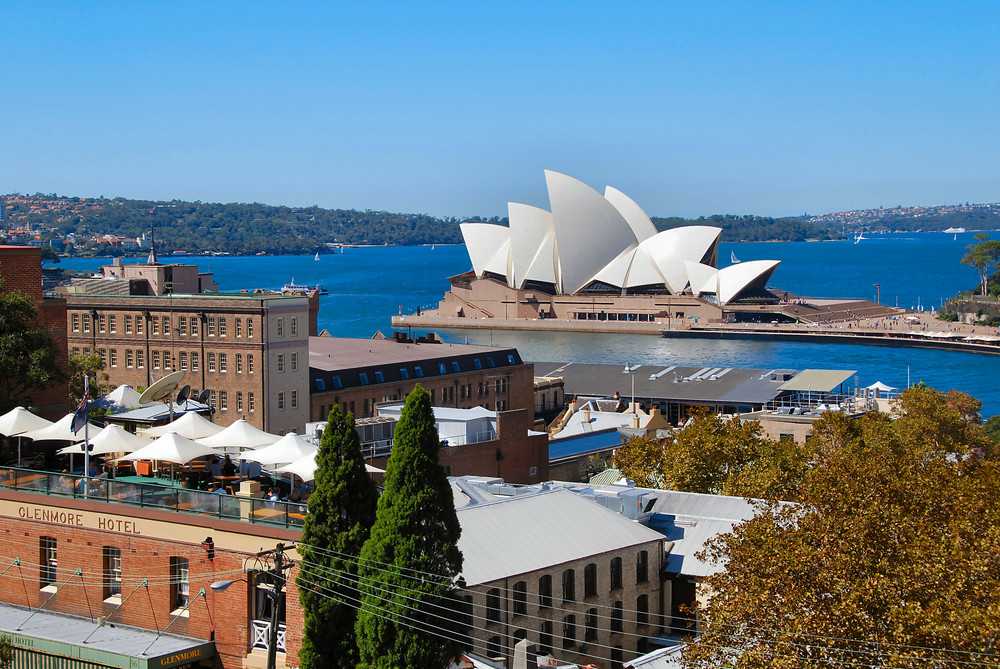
191,425
239,435
287,449
305,468
61,430
122,398
878,385
113,439
171,447
18,421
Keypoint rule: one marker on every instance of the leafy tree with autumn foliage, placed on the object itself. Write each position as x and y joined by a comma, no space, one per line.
891,558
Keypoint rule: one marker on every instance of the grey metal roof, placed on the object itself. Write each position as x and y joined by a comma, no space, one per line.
819,380
711,384
113,644
530,532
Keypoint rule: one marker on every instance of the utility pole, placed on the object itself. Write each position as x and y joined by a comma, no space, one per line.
277,574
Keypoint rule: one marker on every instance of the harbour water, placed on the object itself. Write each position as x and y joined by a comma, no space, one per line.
368,285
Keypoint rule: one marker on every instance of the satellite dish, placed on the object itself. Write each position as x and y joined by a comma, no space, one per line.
183,394
203,396
162,389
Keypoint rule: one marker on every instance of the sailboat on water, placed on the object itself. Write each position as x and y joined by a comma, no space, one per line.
317,256
732,257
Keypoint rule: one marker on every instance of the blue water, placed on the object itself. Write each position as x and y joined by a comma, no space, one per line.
368,285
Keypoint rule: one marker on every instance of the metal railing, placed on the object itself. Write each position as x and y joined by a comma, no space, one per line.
158,493
261,633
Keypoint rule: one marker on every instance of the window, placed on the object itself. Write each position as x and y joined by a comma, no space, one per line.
616,573
493,612
112,572
211,326
250,402
102,321
545,636
194,361
569,631
590,580
86,322
156,325
379,377
293,325
128,323
249,329
194,326
478,363
76,322
166,360
184,360
212,396
510,359
442,369
239,402
617,613
490,362
295,363
182,326
337,383
211,362
249,362
363,378
178,583
404,373
294,399
281,327
590,634
520,598
281,401
165,324
569,585
494,648
239,363
113,357
47,560
642,567
223,400
223,363
156,359
320,384
238,326
545,592
454,366
129,358
642,610
139,320
140,358
419,371
222,327
281,363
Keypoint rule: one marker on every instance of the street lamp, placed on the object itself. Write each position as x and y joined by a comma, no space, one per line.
630,369
274,594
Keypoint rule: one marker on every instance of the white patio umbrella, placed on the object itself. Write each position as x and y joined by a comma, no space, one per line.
120,399
305,468
171,447
239,435
19,420
287,449
113,439
61,430
191,425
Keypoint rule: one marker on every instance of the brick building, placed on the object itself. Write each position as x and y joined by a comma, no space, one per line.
21,269
358,374
249,349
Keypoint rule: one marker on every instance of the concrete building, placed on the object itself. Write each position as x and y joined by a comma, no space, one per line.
360,374
250,350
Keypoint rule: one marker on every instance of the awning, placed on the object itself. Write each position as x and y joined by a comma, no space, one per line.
818,380
42,639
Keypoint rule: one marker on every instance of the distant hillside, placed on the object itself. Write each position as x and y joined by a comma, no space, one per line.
911,219
757,228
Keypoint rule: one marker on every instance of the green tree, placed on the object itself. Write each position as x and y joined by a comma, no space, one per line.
411,615
92,366
890,559
983,255
6,651
341,514
27,350
49,255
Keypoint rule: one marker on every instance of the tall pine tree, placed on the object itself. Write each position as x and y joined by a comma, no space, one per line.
411,615
341,513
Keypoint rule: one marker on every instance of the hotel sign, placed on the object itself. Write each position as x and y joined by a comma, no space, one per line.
70,518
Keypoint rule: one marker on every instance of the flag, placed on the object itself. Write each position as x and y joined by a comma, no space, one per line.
81,416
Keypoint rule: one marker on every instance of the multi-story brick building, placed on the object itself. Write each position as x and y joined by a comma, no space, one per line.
250,350
21,269
358,374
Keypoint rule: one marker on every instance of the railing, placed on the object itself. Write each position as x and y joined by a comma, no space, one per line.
474,438
158,493
261,633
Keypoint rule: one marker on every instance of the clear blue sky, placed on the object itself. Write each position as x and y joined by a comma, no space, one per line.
455,108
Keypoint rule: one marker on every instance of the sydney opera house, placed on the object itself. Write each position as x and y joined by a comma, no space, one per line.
595,257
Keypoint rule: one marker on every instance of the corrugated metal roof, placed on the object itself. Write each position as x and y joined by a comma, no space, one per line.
581,445
819,380
526,533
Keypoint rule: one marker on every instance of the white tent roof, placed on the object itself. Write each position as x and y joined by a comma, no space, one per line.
19,420
120,399
305,468
171,447
287,449
240,434
61,430
878,385
191,425
113,439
